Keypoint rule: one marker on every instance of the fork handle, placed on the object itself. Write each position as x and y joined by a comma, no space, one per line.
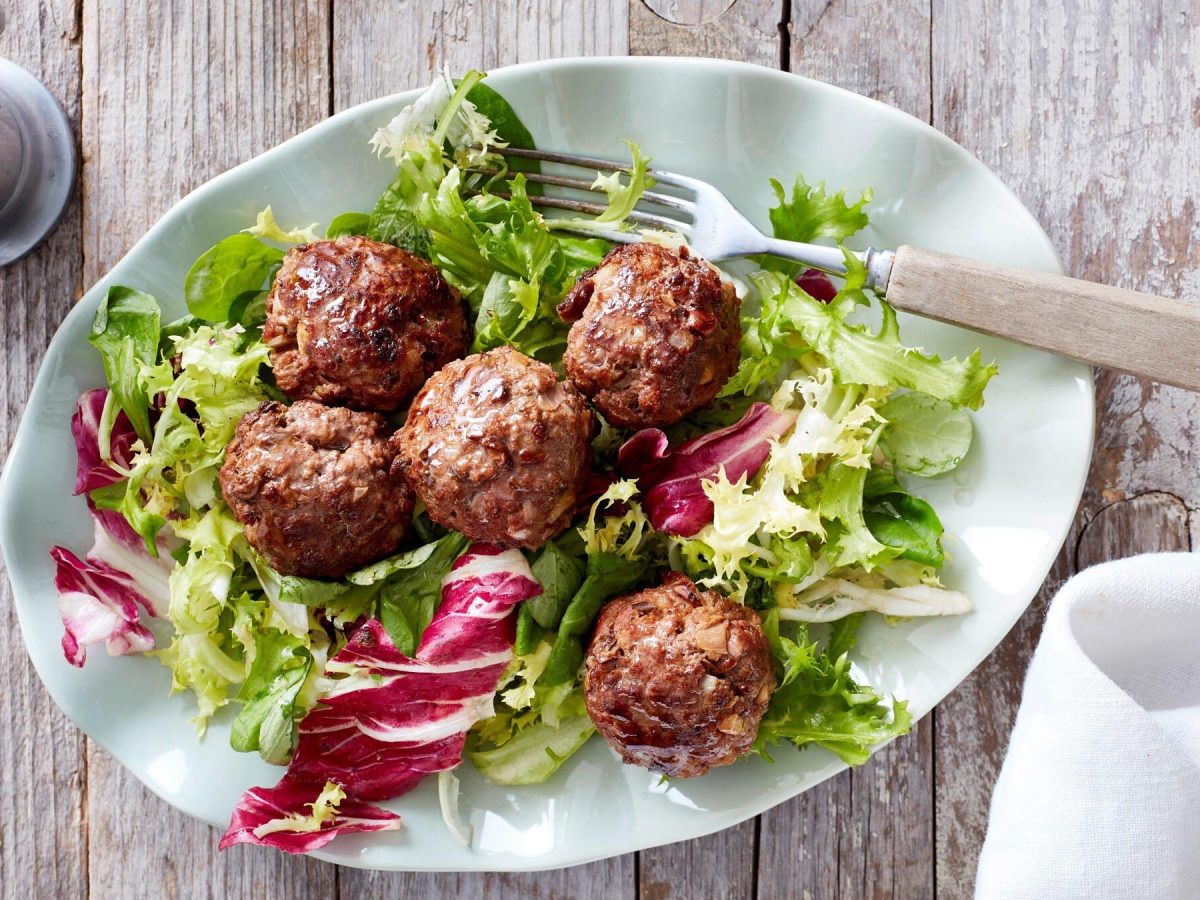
1156,337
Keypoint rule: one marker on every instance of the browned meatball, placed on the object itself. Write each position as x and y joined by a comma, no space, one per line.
655,337
677,678
357,323
317,488
498,448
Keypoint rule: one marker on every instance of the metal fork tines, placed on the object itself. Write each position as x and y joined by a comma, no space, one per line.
709,222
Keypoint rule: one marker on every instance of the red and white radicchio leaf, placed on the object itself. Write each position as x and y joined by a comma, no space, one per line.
98,603
100,596
389,719
672,481
273,817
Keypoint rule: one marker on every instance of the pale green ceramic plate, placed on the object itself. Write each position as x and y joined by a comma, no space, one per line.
1007,508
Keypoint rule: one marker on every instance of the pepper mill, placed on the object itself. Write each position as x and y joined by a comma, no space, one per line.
37,162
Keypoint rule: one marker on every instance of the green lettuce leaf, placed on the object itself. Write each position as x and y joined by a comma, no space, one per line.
858,356
819,702
811,213
125,332
267,722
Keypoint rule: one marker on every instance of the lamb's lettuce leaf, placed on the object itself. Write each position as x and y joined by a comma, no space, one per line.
925,436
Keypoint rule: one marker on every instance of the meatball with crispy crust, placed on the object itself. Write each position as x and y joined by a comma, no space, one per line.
497,448
357,323
655,334
678,679
317,488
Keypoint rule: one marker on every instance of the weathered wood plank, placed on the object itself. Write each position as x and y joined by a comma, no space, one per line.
720,865
882,52
43,848
221,83
748,31
1069,102
381,47
866,833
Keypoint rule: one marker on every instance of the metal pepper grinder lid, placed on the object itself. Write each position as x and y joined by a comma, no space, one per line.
37,162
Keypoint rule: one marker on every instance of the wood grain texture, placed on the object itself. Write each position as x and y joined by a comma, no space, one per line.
879,51
748,31
867,832
223,83
42,772
1086,108
1098,324
424,36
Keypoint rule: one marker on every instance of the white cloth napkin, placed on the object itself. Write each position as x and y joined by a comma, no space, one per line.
1099,795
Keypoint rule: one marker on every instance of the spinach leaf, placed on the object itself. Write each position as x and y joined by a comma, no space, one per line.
126,334
560,576
529,632
508,127
607,575
413,588
236,266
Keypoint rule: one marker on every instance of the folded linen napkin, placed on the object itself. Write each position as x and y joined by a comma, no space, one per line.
1099,795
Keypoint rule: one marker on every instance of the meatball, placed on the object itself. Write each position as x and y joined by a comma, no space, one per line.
496,447
655,334
317,488
356,323
677,679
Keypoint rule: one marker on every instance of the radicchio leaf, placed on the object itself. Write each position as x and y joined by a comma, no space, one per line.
275,817
98,603
393,719
91,471
671,481
817,285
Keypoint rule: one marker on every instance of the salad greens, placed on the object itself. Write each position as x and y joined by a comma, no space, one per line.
785,494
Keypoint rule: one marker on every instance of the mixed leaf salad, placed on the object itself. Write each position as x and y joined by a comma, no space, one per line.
791,494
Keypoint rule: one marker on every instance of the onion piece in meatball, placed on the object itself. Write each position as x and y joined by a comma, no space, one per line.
678,679
497,448
357,323
655,335
317,489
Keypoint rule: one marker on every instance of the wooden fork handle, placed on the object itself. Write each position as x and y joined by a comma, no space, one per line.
1156,337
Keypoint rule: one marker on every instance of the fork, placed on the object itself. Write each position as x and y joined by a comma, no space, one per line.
1142,334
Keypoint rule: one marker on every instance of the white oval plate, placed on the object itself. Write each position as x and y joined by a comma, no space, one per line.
1006,511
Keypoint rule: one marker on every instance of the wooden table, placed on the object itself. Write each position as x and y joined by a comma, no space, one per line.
1089,109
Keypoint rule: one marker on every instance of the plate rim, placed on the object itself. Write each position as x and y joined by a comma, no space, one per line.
87,303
